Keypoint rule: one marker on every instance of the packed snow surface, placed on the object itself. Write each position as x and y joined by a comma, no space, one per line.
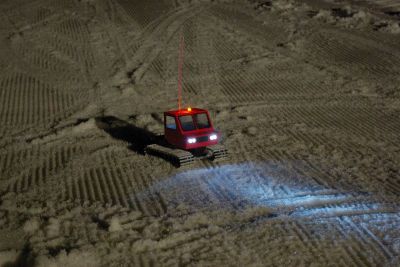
305,93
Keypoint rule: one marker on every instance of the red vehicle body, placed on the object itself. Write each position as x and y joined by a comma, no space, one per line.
189,129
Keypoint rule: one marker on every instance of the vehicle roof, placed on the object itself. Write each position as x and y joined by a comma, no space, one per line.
183,112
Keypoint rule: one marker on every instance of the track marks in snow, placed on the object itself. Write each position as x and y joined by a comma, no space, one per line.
366,248
78,53
283,187
41,14
114,184
26,100
41,59
242,87
271,33
12,159
145,12
321,240
98,184
371,124
358,54
391,7
73,28
51,162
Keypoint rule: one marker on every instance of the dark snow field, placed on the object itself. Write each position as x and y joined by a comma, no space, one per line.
306,94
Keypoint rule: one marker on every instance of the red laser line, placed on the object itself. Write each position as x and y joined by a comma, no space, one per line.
180,72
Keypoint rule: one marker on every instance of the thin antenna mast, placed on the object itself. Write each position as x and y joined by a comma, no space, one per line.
180,72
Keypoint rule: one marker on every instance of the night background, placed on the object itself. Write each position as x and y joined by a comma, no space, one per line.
305,95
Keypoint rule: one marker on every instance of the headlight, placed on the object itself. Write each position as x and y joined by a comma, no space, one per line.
191,140
213,137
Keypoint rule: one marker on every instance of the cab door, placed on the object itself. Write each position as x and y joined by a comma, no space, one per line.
171,130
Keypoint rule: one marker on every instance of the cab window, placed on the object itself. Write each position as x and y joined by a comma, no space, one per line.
170,122
187,123
202,120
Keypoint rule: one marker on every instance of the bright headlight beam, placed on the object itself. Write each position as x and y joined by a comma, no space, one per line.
213,137
191,140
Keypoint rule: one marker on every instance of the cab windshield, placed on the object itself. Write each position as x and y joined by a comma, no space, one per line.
193,122
202,120
187,123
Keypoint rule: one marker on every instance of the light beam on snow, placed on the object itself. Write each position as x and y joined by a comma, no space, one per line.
261,184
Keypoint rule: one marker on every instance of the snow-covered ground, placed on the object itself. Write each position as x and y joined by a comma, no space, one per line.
306,94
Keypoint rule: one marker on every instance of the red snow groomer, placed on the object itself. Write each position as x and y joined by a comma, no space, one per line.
189,128
188,133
